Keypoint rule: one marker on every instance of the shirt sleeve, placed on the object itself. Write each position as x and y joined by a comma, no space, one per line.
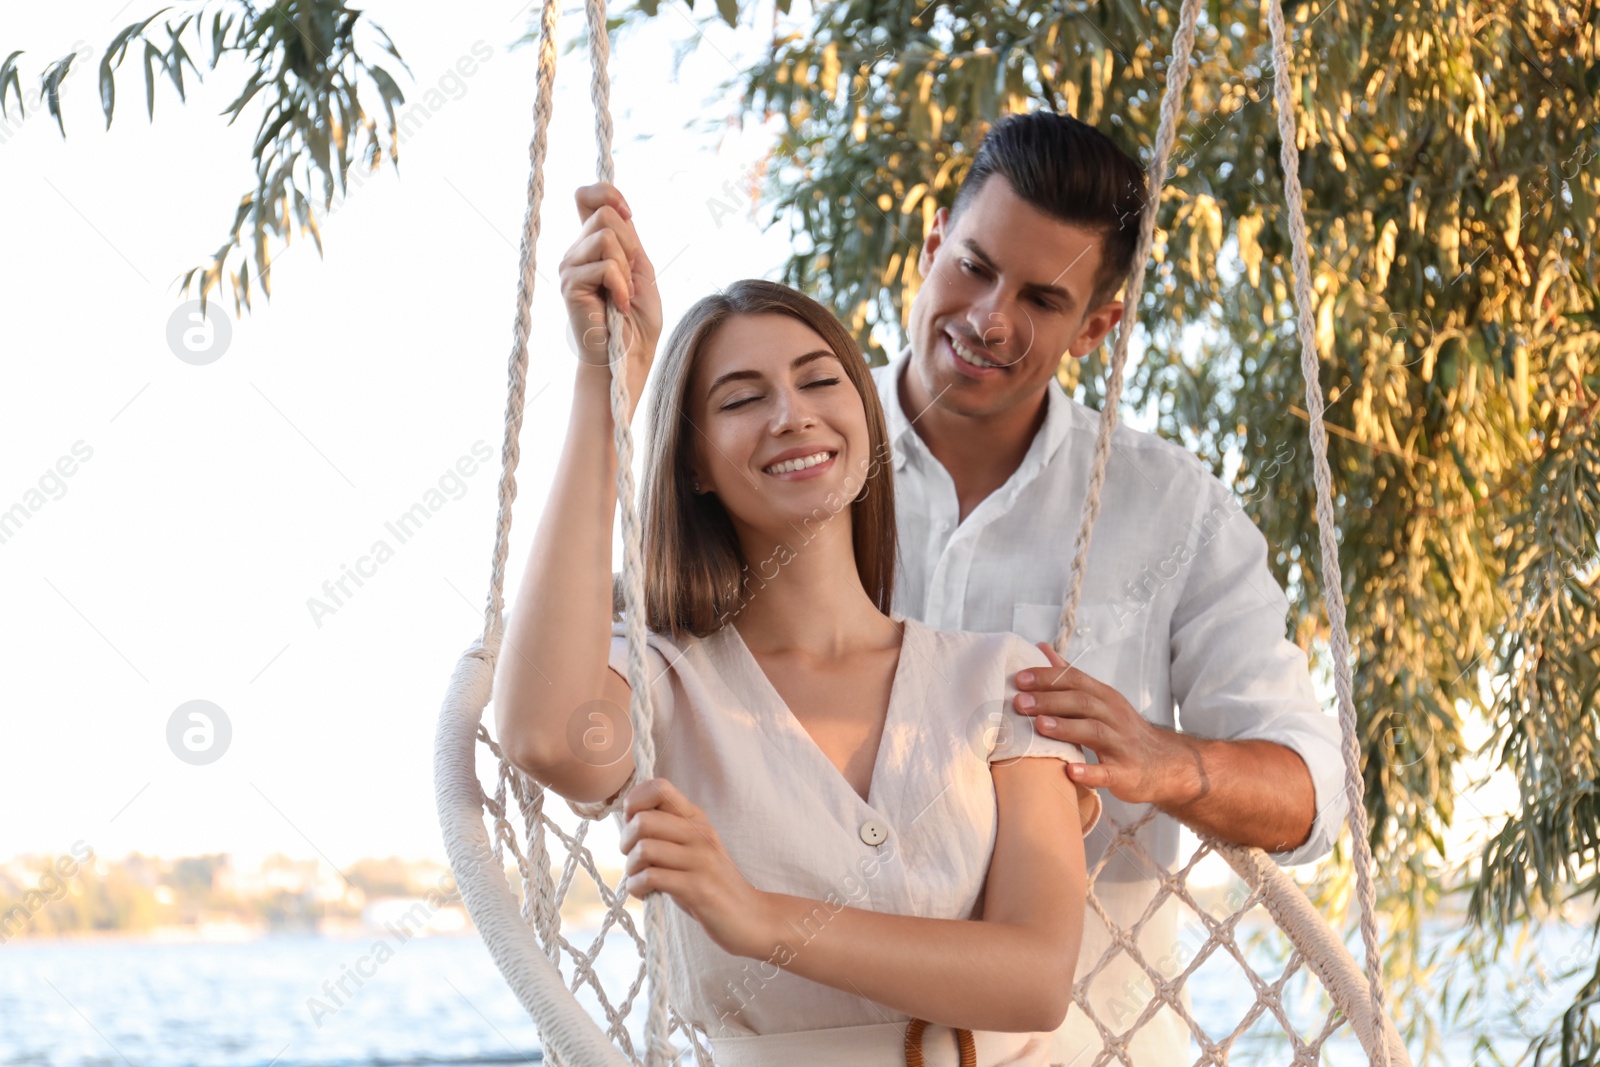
1235,674
1014,736
656,668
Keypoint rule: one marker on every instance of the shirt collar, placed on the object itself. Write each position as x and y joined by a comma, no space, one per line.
1059,416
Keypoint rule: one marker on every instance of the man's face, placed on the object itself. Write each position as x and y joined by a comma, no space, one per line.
1005,296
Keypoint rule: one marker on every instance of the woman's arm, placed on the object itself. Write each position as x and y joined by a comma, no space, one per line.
554,659
1010,971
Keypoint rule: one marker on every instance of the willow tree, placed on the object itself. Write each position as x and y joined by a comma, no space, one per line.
303,64
1448,154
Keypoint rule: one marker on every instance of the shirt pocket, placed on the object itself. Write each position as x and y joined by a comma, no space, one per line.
1107,644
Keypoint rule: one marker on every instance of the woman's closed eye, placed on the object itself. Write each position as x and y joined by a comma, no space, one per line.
821,382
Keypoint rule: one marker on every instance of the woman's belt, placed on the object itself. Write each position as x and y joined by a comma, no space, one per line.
880,1045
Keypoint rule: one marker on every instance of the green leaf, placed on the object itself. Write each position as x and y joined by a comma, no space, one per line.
308,220
245,203
52,86
269,132
342,134
390,48
216,38
317,141
108,87
151,52
119,43
9,76
251,88
174,65
388,91
182,56
218,32
729,10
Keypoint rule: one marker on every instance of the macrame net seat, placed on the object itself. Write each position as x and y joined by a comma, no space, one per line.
599,997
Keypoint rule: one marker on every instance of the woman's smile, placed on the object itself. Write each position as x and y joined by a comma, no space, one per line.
806,465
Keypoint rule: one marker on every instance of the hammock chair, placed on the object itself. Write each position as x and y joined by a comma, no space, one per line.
581,1022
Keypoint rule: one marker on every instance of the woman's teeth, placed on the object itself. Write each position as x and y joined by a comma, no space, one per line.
968,355
798,464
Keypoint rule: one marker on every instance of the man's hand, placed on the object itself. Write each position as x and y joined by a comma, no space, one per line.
1139,761
1248,792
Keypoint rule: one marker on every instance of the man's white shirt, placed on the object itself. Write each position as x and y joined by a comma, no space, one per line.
1179,614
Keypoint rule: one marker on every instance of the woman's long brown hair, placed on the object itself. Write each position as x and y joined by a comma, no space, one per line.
696,576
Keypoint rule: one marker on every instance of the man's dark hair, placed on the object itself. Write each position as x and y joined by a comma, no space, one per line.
1070,171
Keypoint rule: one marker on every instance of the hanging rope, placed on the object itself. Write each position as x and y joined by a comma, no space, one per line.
1332,580
658,1049
1177,79
517,367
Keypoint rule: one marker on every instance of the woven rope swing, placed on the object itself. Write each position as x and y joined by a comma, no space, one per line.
582,1022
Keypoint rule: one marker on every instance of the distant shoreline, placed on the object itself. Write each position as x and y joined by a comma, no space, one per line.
223,933
183,935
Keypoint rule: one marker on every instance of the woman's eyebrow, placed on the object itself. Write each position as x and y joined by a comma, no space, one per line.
798,362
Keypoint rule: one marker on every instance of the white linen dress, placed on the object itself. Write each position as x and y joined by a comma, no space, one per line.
920,844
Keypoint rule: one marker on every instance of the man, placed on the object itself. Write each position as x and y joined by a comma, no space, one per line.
991,463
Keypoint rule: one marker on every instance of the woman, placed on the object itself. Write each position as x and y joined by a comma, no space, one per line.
839,815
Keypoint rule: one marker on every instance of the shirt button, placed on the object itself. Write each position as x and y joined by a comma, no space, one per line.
943,526
874,832
1082,630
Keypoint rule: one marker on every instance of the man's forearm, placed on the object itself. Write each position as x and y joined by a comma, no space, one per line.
1246,792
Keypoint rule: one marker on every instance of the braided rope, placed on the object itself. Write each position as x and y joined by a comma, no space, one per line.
539,905
534,872
1332,580
658,1051
1177,80
517,368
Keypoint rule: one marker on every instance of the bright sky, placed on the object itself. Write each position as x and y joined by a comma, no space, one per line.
207,504
175,562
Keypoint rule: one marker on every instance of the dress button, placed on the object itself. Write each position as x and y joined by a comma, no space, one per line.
874,832
1082,629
